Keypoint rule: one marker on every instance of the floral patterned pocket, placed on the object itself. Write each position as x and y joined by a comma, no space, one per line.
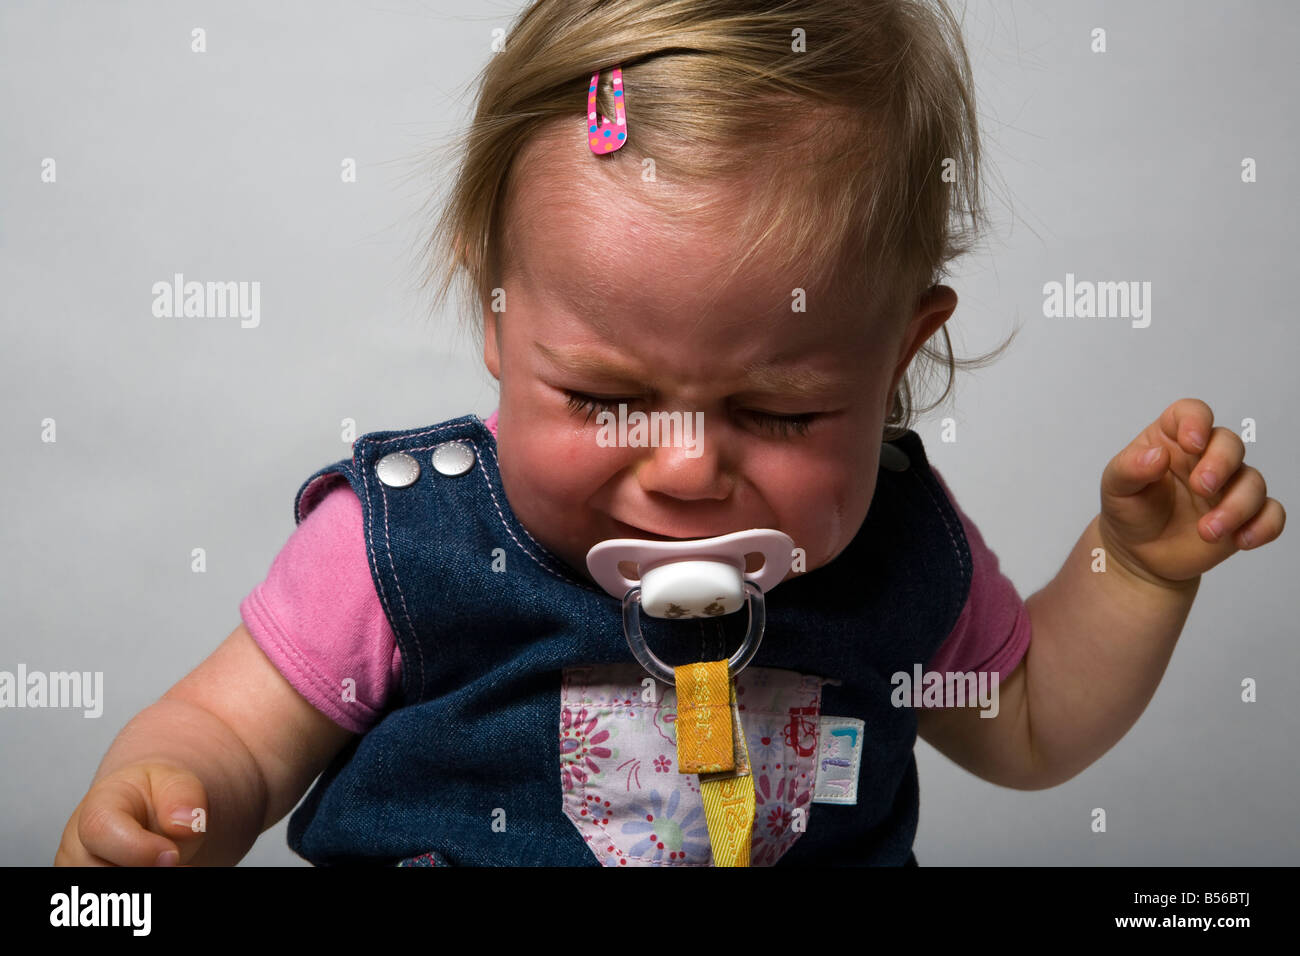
618,764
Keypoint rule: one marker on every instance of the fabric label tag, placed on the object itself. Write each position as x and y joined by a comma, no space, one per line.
705,736
838,758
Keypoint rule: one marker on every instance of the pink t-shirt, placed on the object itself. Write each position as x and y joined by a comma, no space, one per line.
319,620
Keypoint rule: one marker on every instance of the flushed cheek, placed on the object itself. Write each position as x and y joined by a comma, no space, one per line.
553,512
830,516
564,474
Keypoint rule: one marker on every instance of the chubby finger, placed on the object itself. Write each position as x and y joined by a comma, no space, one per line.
71,852
1265,526
180,807
1242,499
1188,422
1134,468
1219,464
109,827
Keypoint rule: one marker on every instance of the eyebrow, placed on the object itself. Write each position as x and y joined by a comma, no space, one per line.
762,376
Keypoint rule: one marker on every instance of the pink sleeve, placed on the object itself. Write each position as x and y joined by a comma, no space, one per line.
319,620
992,633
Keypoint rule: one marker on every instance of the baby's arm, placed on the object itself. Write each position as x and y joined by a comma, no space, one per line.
1176,502
1100,645
996,749
232,737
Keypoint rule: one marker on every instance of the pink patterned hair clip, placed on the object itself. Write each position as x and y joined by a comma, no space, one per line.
606,137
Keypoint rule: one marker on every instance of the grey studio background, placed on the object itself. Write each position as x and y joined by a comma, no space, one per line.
182,433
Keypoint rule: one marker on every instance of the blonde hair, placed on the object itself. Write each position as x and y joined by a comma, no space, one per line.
846,139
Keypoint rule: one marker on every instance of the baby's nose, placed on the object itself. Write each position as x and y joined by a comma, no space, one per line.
689,471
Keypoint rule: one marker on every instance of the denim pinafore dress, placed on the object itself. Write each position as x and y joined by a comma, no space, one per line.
526,734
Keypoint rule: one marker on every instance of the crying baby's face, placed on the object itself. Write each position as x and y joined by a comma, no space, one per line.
645,394
597,439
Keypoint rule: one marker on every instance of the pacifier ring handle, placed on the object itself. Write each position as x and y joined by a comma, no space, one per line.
661,671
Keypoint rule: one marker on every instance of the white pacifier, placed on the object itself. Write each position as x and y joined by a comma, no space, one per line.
685,579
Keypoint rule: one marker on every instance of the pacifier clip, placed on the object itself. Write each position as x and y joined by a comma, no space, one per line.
711,743
702,578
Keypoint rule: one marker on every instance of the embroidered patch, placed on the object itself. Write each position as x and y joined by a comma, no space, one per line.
838,760
618,764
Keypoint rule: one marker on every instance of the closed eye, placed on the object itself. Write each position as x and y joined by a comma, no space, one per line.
782,425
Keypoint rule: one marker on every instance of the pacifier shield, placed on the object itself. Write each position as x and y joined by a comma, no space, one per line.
701,578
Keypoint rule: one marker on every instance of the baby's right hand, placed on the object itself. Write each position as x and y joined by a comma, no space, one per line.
126,819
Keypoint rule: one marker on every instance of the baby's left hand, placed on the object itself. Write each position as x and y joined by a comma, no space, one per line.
1171,519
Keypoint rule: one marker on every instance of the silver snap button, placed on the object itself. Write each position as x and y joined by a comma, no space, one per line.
893,457
453,458
398,470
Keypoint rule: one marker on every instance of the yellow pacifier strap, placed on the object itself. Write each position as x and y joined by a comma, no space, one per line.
711,743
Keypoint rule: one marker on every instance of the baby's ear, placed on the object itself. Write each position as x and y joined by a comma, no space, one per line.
492,341
935,308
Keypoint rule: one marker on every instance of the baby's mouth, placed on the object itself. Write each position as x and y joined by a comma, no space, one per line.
631,531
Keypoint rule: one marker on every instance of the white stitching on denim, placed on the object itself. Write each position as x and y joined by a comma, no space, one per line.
388,541
392,563
961,560
406,437
370,543
478,450
943,515
497,462
540,559
370,547
500,513
369,557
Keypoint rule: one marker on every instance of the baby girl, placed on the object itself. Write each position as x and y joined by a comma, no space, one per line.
752,239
